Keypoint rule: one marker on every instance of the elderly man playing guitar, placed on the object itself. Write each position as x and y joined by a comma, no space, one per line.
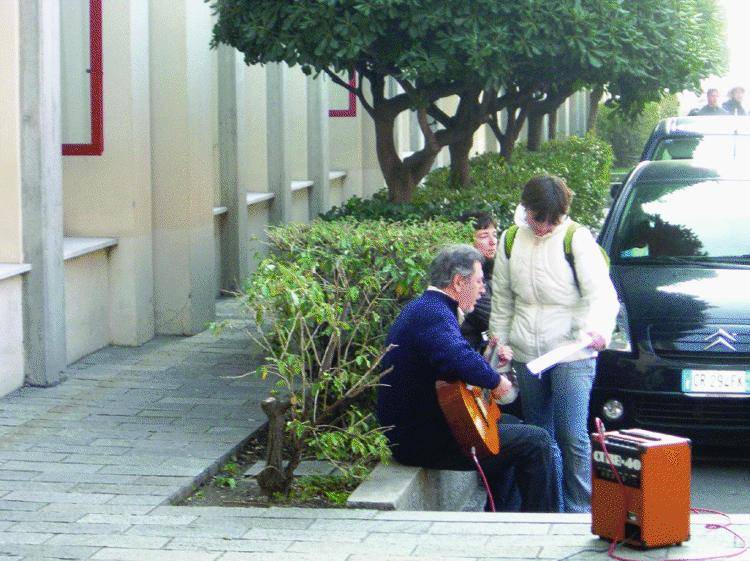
427,347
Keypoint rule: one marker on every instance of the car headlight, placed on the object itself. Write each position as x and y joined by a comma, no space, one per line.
621,336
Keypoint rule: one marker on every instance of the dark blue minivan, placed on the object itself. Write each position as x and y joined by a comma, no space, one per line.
678,236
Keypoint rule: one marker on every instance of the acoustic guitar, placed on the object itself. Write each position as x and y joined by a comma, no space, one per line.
471,418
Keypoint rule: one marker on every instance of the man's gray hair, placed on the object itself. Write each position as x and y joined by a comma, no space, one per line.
456,259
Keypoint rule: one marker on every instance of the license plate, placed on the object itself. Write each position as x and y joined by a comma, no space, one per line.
715,381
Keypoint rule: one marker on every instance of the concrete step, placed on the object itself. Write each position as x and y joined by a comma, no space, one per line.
398,487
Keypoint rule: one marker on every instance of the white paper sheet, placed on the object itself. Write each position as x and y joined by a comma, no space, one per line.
548,360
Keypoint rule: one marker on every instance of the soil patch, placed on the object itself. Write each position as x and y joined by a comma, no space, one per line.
232,487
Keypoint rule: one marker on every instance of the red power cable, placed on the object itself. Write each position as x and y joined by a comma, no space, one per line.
484,479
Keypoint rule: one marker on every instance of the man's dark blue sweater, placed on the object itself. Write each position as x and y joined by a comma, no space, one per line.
430,347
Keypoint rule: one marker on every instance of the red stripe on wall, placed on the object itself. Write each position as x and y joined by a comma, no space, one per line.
350,111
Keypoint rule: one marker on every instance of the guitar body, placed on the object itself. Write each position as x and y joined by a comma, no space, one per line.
471,418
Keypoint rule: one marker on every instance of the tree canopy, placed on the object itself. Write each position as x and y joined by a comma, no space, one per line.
523,56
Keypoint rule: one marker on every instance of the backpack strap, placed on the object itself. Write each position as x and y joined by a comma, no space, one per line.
568,249
510,236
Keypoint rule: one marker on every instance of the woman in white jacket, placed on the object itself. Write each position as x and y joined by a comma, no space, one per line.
538,304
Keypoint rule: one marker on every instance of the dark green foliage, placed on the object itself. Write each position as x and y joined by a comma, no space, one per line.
628,133
585,164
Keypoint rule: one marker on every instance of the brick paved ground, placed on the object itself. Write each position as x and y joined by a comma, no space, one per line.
87,469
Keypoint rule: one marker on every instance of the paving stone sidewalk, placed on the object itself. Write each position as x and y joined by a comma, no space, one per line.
88,468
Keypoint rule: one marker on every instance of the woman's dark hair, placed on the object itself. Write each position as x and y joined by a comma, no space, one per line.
547,198
479,219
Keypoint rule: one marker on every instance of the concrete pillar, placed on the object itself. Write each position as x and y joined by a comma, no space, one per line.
184,167
579,114
252,127
41,185
279,181
235,257
318,149
563,120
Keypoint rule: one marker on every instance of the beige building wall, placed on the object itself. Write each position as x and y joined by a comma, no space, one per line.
86,304
352,148
300,205
184,170
345,135
296,133
372,178
156,189
12,353
10,140
110,195
11,334
259,216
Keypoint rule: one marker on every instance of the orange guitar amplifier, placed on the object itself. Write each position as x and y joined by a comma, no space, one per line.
651,508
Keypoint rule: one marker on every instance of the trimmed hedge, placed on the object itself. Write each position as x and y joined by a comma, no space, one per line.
585,163
322,302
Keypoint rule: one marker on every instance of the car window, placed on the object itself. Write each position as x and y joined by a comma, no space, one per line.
701,220
705,147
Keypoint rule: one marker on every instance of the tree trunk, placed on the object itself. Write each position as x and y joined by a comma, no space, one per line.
594,99
460,170
552,125
273,478
400,189
401,177
534,139
513,126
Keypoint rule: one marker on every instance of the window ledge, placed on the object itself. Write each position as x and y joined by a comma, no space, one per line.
303,184
8,270
218,210
253,197
76,247
336,174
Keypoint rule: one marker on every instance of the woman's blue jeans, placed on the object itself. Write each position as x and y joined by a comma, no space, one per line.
559,403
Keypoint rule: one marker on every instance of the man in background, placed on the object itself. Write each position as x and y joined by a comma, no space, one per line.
712,107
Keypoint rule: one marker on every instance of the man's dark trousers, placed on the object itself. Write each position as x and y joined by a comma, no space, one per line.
526,451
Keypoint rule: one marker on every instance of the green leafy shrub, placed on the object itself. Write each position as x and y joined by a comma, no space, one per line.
322,302
627,133
585,163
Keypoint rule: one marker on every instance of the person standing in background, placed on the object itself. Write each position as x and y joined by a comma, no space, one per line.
540,301
733,105
712,107
476,323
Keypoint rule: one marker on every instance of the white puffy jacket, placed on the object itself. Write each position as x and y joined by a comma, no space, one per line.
536,306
